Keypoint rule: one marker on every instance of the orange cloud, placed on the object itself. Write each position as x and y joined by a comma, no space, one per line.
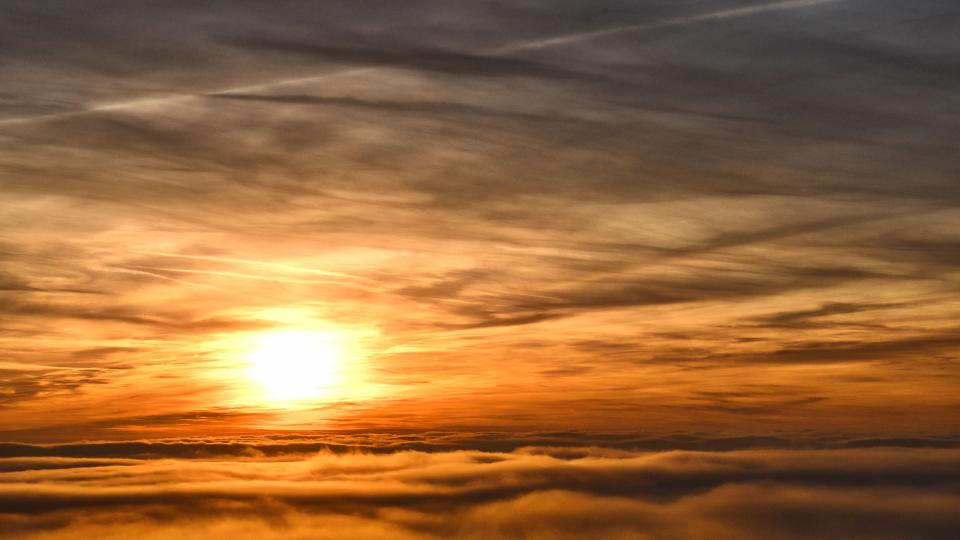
535,493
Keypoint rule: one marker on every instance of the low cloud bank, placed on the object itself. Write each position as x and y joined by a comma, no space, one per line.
567,443
532,492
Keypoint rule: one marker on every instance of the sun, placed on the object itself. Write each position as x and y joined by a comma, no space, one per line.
299,365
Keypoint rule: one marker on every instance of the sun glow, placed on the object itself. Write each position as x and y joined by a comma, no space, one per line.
300,365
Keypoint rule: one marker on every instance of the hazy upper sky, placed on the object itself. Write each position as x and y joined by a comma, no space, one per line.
606,216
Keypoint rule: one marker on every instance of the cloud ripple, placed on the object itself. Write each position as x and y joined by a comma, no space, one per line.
531,492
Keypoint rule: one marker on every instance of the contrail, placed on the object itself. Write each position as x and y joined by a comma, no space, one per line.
665,23
547,43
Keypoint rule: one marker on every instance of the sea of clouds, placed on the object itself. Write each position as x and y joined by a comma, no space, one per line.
298,488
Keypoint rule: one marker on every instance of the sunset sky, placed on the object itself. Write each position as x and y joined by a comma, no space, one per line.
479,269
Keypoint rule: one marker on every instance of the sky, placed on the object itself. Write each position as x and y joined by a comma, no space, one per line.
479,268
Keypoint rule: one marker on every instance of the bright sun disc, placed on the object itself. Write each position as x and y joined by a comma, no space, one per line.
297,365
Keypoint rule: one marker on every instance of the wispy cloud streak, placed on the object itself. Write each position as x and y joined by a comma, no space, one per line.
145,105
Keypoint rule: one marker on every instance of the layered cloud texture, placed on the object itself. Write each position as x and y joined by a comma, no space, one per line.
279,488
612,215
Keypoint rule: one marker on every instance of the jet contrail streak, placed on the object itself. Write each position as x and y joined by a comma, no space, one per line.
558,41
666,23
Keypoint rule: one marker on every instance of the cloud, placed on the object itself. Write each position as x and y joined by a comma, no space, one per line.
814,317
529,493
931,343
487,62
174,322
562,444
438,61
716,285
452,109
552,214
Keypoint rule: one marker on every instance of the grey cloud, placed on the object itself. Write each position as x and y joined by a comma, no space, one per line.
11,284
809,318
175,322
925,345
930,254
905,347
411,107
502,321
21,386
708,286
769,402
440,61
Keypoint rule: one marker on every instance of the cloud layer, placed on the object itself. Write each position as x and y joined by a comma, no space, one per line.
532,492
